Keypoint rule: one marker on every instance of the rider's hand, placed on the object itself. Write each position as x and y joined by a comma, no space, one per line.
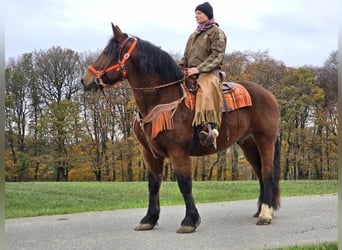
192,71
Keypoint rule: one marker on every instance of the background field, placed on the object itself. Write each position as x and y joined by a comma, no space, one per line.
25,199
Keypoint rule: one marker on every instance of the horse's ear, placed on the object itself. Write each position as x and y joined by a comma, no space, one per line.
113,28
116,32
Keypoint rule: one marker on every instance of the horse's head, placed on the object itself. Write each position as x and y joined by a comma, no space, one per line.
109,68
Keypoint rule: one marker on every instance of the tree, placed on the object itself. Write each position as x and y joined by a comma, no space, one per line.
235,65
327,80
60,122
35,111
16,111
58,73
300,102
97,115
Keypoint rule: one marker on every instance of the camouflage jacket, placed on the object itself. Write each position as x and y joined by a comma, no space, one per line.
205,50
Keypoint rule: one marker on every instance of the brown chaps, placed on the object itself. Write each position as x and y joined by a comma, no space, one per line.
208,100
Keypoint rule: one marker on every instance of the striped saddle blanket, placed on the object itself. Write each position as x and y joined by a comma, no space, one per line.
235,97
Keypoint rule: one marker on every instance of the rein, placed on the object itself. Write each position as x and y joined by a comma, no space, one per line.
158,86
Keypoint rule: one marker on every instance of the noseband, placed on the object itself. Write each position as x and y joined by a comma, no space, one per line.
120,66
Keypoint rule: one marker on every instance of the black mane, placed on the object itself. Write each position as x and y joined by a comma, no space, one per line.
154,60
111,48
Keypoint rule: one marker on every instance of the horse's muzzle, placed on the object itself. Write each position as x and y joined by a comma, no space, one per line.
93,86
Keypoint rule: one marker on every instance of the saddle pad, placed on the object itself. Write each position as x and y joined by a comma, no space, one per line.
235,99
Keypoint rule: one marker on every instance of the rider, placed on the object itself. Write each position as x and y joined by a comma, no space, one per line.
203,57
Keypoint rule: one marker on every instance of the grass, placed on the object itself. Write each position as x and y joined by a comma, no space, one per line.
25,199
322,246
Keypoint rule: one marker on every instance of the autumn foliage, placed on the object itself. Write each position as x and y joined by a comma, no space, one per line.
56,131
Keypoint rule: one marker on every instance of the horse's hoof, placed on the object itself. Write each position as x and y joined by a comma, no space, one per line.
262,222
183,229
266,215
144,227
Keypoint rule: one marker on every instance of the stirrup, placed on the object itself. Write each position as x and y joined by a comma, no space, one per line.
208,139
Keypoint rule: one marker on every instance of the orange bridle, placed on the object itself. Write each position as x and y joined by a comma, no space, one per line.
120,66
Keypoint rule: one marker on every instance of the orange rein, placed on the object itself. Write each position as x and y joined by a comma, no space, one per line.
117,67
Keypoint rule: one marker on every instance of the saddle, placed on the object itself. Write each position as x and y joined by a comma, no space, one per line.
192,85
234,95
161,117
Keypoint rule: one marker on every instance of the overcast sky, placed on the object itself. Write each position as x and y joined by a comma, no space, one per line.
297,32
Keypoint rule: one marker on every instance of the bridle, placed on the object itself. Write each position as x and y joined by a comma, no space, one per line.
120,66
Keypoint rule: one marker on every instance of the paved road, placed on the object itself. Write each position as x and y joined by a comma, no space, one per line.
225,225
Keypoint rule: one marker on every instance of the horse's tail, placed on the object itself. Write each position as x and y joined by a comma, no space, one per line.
276,169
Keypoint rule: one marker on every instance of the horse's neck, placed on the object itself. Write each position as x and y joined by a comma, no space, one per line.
148,98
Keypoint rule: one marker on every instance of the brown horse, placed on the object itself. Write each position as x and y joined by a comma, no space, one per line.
164,128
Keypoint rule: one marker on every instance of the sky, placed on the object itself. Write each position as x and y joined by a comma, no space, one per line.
296,32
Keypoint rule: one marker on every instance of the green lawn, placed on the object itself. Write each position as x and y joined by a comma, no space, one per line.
322,246
46,198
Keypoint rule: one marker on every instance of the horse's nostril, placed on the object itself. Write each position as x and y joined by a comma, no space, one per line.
82,81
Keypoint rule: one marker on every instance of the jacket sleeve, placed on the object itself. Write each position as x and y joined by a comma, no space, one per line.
184,61
217,51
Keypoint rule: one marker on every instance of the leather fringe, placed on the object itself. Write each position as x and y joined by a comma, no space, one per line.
162,121
210,116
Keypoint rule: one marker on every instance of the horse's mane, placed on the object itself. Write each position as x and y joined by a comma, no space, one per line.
152,60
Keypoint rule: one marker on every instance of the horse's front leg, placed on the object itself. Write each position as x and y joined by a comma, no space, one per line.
182,168
155,167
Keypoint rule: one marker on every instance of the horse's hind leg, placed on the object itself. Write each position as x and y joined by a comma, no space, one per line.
267,146
260,153
251,153
155,167
182,168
